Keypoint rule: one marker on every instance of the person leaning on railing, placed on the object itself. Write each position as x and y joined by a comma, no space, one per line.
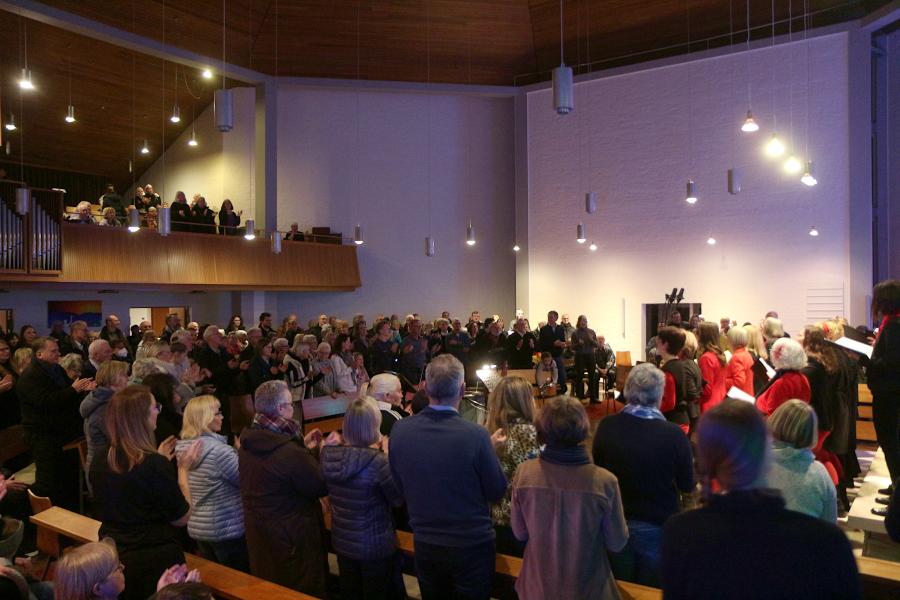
229,219
203,217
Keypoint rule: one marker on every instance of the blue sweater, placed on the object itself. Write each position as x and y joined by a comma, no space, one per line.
449,474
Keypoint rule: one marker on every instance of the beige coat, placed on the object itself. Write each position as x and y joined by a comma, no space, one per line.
570,514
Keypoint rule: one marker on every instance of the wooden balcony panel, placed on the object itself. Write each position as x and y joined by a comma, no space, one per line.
115,257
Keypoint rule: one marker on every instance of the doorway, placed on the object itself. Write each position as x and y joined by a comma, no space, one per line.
654,313
156,315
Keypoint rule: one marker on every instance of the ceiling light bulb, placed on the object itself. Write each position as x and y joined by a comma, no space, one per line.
579,234
592,247
193,141
207,74
145,149
70,114
711,241
176,115
516,248
357,235
691,194
25,82
808,178
749,125
774,148
813,231
792,166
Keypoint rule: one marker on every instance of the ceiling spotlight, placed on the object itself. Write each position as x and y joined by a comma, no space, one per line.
792,166
193,141
749,125
145,149
808,178
207,74
813,231
711,241
774,148
357,235
516,248
579,234
11,123
592,247
691,194
25,82
470,234
176,115
70,114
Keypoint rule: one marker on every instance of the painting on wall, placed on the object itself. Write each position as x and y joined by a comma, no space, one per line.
89,311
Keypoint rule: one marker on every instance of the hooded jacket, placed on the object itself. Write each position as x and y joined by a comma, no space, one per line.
280,488
93,411
362,492
803,482
217,513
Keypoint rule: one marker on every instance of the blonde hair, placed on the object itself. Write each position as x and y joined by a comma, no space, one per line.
755,343
834,328
512,400
362,423
110,371
72,362
198,414
22,355
772,328
689,350
83,567
795,423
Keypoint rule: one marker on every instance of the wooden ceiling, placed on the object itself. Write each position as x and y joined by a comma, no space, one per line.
485,42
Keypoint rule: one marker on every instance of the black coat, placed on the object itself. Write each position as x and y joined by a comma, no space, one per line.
823,393
67,346
883,369
181,216
204,219
520,358
362,492
49,405
228,225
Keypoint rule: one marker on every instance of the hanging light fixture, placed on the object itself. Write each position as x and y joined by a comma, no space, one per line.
813,231
23,200
429,246
25,81
130,166
516,247
357,235
774,148
590,202
223,101
563,93
749,125
792,166
808,179
711,241
193,141
70,114
470,234
145,149
207,74
250,229
164,220
8,148
134,220
176,114
579,234
11,123
592,247
690,195
276,242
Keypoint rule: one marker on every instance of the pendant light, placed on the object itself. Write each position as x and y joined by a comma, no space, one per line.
357,235
176,110
11,123
580,237
357,231
193,141
70,111
207,74
145,149
23,200
25,82
164,220
813,232
429,241
470,234
808,179
691,192
429,246
276,242
774,148
590,202
250,229
130,166
134,220
792,166
592,247
223,100
516,247
711,241
563,93
749,125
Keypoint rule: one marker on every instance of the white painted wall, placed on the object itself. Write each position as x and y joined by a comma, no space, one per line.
221,166
470,142
630,140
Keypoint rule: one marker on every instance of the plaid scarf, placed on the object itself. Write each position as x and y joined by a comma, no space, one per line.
643,412
276,424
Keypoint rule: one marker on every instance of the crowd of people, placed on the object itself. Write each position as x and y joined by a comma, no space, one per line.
687,488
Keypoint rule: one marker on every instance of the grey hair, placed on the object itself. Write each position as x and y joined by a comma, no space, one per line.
146,366
298,343
737,337
645,386
772,328
310,340
269,395
254,330
788,354
280,343
179,335
323,346
210,331
84,204
95,346
444,378
72,362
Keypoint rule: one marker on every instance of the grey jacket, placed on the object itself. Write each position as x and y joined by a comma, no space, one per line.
217,513
93,411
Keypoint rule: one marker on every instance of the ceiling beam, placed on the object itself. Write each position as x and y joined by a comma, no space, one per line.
131,41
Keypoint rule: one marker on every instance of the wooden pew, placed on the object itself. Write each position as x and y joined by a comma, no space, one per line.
12,443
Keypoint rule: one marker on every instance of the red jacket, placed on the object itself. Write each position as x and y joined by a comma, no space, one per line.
789,385
714,375
740,371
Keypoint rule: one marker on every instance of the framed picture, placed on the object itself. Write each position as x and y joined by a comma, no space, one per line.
89,311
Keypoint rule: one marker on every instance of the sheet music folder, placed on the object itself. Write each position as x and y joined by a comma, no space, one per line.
854,346
736,393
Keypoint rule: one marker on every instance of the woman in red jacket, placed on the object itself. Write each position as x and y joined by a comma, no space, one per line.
713,366
740,367
788,358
